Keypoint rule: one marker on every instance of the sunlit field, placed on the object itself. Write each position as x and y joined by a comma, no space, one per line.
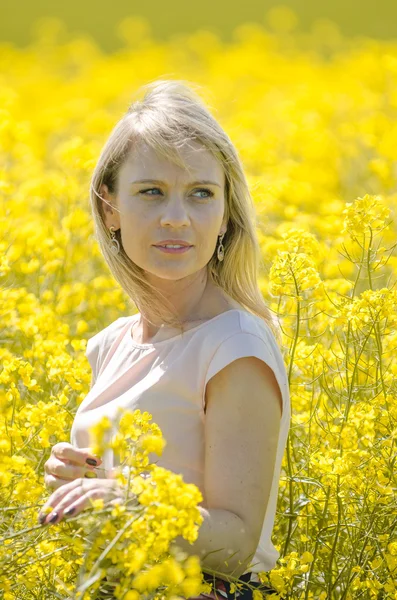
314,119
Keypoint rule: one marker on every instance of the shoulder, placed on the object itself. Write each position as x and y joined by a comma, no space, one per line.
244,382
245,353
99,344
237,331
106,335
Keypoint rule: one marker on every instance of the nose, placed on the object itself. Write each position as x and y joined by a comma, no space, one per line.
175,213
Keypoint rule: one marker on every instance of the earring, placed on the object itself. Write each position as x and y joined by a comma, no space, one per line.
221,249
114,245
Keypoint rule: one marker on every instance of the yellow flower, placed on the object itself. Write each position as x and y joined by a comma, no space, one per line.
132,595
365,215
152,443
307,557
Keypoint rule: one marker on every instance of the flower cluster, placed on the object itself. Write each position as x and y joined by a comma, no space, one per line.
159,506
294,269
365,216
369,308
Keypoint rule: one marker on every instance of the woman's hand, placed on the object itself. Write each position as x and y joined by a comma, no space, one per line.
76,495
68,463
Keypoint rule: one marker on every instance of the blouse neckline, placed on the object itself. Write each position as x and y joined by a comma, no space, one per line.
174,337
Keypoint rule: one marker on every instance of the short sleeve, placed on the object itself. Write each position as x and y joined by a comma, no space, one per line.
99,345
92,354
243,344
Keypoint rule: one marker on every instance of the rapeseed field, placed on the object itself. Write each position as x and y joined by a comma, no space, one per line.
314,121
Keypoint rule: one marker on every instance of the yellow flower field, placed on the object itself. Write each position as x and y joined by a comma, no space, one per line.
314,121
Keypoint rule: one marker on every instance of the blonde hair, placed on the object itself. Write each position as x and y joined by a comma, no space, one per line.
169,114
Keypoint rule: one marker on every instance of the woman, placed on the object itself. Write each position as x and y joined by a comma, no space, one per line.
175,223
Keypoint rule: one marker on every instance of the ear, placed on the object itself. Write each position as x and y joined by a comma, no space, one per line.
109,205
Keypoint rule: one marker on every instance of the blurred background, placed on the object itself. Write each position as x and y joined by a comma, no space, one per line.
100,19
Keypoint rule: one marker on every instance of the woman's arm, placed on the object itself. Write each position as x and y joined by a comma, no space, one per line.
242,424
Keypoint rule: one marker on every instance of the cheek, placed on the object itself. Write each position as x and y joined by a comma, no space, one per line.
136,224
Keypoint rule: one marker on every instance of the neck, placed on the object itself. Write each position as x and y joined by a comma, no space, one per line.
188,297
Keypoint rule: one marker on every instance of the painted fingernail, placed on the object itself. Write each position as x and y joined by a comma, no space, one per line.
91,461
53,518
69,511
42,518
90,474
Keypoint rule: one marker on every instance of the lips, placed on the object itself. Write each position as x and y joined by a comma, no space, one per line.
162,244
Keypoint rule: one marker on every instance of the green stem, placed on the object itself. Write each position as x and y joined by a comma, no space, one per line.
317,543
288,447
106,551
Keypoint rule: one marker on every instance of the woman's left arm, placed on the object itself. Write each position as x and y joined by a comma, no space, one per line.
242,424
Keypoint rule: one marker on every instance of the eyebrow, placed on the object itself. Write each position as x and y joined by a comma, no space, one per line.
204,181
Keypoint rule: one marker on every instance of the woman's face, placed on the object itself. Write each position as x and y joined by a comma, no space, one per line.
179,205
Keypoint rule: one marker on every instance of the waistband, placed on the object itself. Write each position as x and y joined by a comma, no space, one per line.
222,587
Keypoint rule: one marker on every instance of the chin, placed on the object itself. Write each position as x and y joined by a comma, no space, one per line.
174,273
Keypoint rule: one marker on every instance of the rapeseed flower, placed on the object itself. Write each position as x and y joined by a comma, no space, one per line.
314,123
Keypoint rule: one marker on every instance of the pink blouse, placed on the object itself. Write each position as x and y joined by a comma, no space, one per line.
167,378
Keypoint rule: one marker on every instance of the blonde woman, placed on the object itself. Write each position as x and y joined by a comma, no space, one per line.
176,224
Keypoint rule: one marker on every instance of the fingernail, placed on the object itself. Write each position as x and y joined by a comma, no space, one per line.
69,511
91,461
53,518
90,474
41,518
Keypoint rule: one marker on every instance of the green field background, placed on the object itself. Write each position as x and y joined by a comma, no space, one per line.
99,18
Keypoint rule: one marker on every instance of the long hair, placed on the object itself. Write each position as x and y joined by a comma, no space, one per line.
170,113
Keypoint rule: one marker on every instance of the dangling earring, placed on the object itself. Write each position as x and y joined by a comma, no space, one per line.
221,249
114,245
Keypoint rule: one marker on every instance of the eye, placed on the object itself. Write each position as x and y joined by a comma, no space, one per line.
209,192
148,190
